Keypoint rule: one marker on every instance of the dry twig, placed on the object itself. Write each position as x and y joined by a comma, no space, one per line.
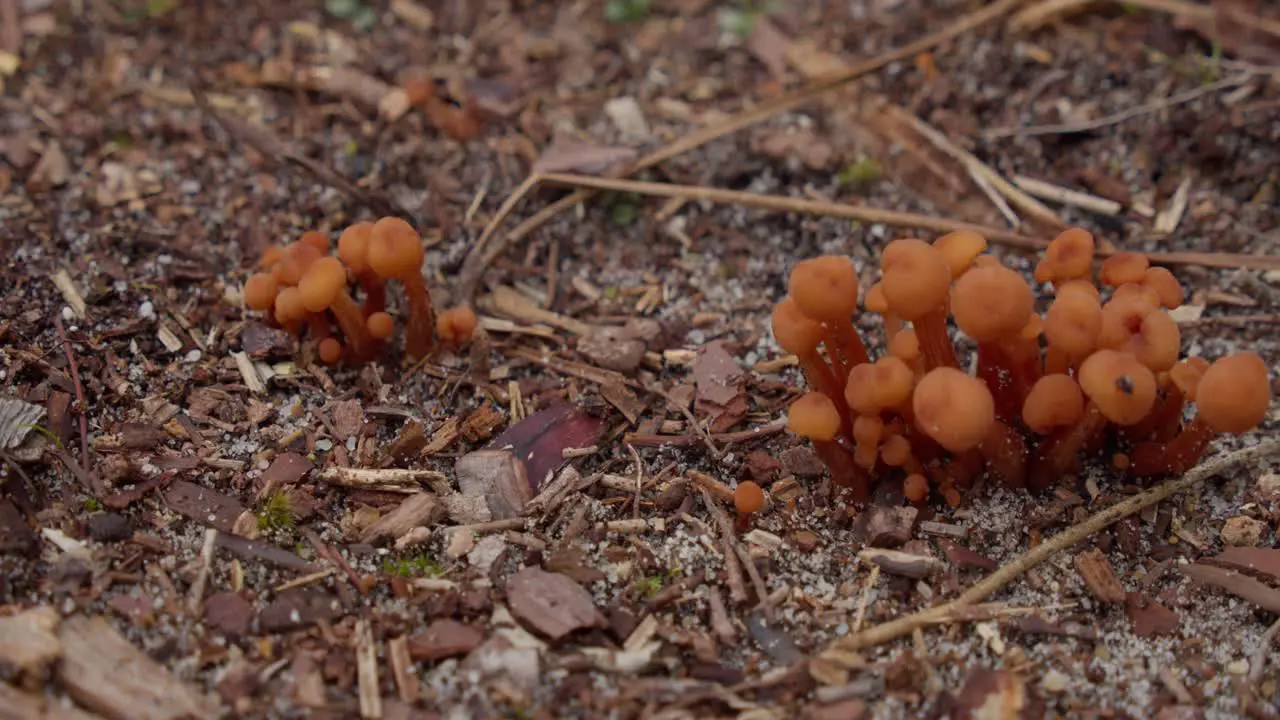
892,218
997,580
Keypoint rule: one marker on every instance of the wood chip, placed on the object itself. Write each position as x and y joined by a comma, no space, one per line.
1099,577
62,280
551,603
905,564
385,479
367,671
29,645
249,373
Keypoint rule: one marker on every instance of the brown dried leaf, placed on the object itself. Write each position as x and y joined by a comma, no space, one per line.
996,695
348,418
551,603
287,469
205,506
720,384
1149,617
1260,562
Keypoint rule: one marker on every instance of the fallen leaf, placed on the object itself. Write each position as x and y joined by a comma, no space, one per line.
287,469
1150,618
720,384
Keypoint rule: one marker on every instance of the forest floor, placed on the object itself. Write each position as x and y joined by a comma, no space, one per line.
184,530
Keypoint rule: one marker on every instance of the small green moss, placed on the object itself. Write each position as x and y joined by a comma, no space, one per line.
92,504
865,171
420,565
276,513
612,292
625,11
649,585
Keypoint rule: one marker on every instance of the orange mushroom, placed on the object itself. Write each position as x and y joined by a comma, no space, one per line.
814,416
1232,396
395,251
324,287
825,289
748,499
952,408
455,326
916,280
992,305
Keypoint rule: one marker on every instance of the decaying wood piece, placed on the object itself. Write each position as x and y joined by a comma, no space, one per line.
385,479
106,674
29,645
367,672
418,510
1095,570
896,562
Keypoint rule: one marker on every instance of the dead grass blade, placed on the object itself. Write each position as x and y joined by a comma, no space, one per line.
893,218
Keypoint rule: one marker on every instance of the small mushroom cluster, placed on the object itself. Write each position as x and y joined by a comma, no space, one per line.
1098,373
303,288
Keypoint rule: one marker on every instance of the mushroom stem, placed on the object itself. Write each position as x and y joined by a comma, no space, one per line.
851,348
935,346
1006,455
419,329
351,320
844,470
1175,456
820,377
375,293
1058,455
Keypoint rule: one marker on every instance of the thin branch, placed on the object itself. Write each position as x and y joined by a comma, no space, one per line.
997,580
1131,113
480,257
82,407
893,218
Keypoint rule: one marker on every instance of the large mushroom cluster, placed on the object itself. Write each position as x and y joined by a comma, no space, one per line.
308,291
1098,373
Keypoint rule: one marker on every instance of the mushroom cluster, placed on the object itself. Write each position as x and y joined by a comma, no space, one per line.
1097,373
306,290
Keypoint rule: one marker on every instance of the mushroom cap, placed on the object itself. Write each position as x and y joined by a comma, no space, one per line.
916,278
288,305
260,291
748,497
1122,387
323,282
1054,401
1069,256
330,351
353,246
825,288
794,331
271,256
1123,268
874,300
915,487
868,429
1186,375
1167,287
813,416
395,249
380,325
872,387
905,345
315,239
960,248
294,262
1123,314
952,408
456,325
991,303
895,451
1157,341
1074,320
1234,393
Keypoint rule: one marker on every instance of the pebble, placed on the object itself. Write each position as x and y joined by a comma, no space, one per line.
1054,681
147,310
324,444
193,356
1238,667
67,314
109,527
